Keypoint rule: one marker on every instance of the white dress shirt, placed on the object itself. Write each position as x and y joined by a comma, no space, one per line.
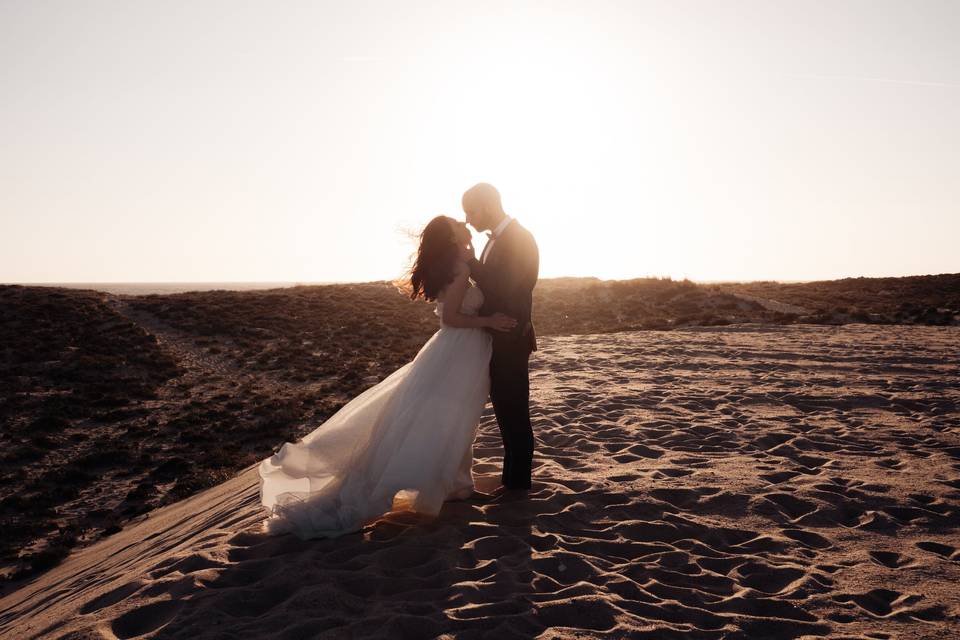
496,234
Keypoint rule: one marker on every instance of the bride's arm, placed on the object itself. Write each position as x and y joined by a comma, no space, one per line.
453,298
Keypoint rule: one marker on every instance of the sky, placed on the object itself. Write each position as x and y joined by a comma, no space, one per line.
215,141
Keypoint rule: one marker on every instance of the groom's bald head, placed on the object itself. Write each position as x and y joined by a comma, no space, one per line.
482,206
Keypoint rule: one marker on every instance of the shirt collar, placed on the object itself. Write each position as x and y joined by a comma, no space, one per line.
503,225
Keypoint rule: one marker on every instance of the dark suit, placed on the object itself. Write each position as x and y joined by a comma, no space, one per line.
507,278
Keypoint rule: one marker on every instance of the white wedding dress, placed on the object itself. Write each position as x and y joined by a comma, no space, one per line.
405,443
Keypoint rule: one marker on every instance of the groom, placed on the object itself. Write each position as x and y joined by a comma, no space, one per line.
506,274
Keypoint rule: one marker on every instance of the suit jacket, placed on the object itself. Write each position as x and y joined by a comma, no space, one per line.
507,279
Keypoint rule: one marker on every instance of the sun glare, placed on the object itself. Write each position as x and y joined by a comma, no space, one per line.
570,147
633,139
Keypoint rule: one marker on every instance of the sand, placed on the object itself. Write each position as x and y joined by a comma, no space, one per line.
735,482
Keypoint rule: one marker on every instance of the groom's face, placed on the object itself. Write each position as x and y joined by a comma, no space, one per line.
474,216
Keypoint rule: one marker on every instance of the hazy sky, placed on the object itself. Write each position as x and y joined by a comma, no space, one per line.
297,141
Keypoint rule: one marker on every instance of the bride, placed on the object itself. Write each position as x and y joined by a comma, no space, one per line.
407,442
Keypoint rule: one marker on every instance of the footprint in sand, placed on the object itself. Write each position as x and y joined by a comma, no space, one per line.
768,578
875,487
675,473
880,602
145,619
778,477
679,498
892,463
112,597
945,551
790,505
876,521
189,564
808,538
905,514
890,559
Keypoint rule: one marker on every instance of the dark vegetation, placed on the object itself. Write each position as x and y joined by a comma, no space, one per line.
112,406
589,305
71,369
929,300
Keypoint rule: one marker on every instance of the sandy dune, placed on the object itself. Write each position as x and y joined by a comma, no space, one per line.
738,482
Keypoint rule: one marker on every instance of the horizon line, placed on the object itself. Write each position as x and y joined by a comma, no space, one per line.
332,282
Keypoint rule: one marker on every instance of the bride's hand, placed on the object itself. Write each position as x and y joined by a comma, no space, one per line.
501,322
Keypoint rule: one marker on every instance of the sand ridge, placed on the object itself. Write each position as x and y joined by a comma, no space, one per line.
736,482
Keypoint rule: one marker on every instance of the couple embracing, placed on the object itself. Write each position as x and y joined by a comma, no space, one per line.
407,442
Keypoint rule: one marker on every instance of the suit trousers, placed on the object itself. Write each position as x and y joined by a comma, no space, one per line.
510,395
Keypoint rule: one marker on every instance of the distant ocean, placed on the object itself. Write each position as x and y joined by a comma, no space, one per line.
145,288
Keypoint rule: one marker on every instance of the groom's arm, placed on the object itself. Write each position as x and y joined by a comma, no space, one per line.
527,270
494,285
518,275
522,265
529,265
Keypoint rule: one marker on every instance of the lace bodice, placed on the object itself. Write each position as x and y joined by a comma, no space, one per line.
472,300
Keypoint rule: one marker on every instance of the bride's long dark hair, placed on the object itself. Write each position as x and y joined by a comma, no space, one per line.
436,256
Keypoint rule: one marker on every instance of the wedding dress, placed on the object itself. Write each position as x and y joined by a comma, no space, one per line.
405,443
